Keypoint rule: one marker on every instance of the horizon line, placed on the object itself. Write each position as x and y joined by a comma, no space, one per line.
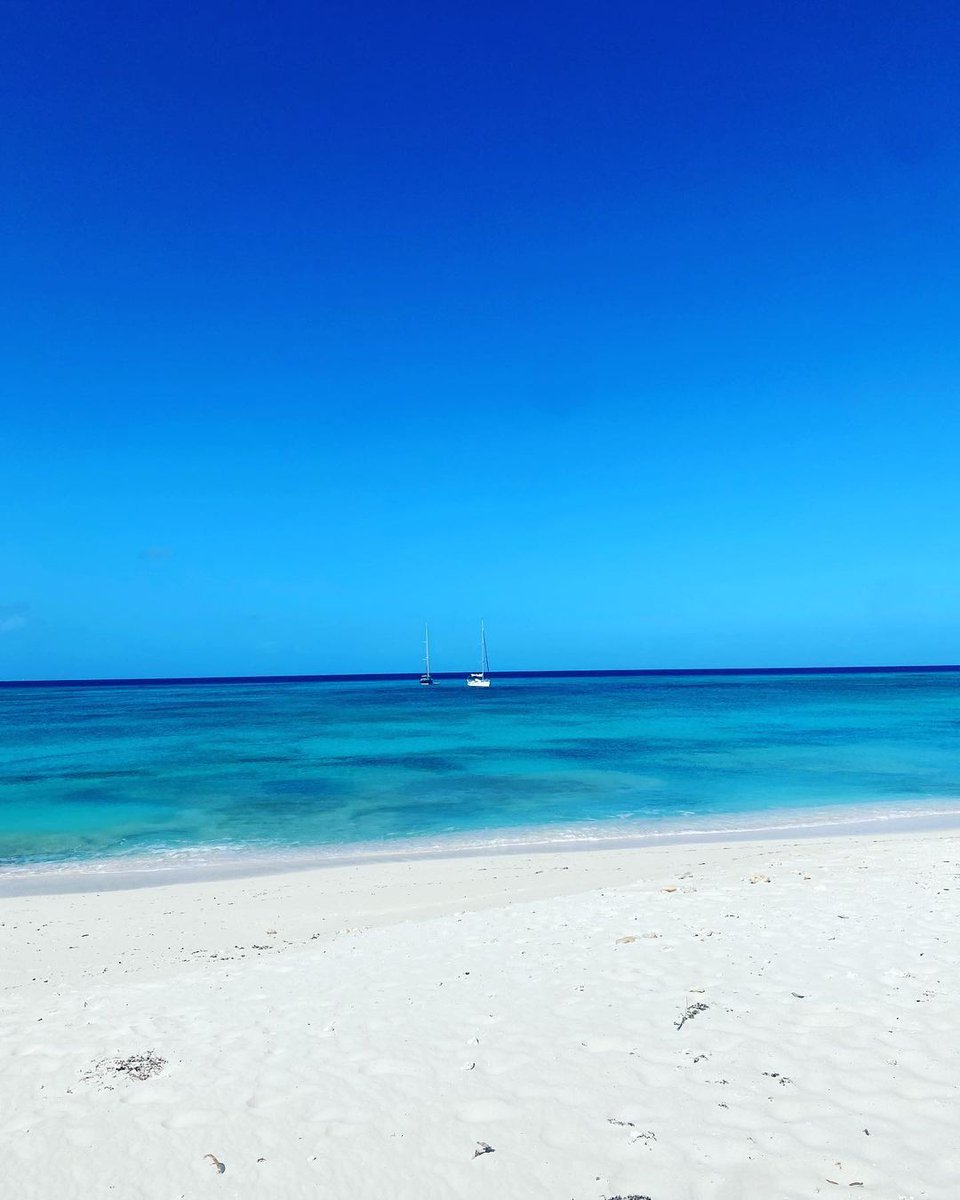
410,676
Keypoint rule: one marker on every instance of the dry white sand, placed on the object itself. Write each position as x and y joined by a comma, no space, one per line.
361,1032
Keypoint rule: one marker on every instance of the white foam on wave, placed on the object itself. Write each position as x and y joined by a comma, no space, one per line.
224,861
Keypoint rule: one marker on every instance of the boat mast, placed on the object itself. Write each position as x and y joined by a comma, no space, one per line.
484,666
426,642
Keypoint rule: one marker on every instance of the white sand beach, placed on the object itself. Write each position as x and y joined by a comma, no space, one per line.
507,1026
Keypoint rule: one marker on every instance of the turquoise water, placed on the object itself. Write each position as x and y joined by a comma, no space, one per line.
91,773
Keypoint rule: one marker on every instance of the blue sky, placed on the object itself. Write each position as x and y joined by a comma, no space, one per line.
631,328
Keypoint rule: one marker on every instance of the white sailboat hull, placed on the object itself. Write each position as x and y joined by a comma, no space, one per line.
478,682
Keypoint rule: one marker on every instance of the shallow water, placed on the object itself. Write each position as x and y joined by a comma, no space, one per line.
91,773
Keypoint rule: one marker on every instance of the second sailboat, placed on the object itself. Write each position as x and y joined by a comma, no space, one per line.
426,679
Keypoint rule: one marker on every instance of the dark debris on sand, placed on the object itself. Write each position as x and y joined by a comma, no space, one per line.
688,1015
135,1066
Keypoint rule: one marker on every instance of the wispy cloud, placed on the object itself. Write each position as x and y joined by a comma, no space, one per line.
11,619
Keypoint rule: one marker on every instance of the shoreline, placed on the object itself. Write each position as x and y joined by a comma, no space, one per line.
215,864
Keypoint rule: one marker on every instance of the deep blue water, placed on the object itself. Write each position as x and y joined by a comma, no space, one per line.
98,772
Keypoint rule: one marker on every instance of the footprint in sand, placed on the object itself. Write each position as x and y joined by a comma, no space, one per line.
190,1118
480,1111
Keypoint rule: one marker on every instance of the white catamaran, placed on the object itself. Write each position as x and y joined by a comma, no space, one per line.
481,678
426,679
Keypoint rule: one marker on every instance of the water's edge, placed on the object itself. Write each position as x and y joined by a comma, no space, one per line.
215,864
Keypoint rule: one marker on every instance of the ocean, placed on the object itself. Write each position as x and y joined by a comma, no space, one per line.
200,773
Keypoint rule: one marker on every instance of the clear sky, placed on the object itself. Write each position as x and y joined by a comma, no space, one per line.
631,328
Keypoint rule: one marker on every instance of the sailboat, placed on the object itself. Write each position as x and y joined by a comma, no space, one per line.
481,678
426,679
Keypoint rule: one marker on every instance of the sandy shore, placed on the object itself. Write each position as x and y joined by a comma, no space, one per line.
366,1031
